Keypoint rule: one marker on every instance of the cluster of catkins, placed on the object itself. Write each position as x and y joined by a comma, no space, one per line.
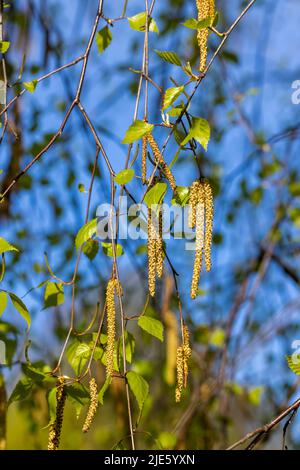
184,353
206,8
113,287
155,247
201,208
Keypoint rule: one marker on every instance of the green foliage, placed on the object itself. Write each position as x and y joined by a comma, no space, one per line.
91,248
3,302
139,387
21,391
171,95
138,23
136,131
170,57
294,364
124,176
86,232
156,194
6,246
54,294
20,307
108,249
103,39
200,131
152,326
30,86
4,46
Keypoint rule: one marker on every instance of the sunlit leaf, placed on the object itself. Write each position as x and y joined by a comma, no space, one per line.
138,386
156,194
200,131
152,326
20,307
138,23
136,131
6,246
3,302
169,56
124,176
171,95
54,294
86,232
103,39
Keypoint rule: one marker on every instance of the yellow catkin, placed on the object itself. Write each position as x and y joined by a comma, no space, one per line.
187,352
93,405
206,8
159,248
179,369
151,253
55,428
200,215
111,325
159,158
193,200
171,346
209,216
144,159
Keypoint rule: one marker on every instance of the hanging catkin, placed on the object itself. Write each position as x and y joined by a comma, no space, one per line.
159,248
92,406
111,325
179,369
55,428
199,241
209,216
193,200
187,352
171,346
144,159
151,252
206,8
160,159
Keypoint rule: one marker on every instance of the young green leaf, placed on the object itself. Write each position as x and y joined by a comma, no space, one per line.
171,95
86,232
6,246
21,391
182,196
103,389
156,194
169,56
77,355
3,302
138,23
192,23
124,176
54,294
103,39
138,386
152,326
30,86
90,249
4,46
294,364
108,249
20,307
136,131
200,131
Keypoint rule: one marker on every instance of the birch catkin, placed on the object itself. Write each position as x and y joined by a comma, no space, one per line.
160,159
206,8
111,325
201,215
187,352
151,253
179,368
144,159
55,428
92,406
171,346
159,248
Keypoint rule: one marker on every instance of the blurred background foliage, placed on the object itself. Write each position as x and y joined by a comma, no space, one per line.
246,317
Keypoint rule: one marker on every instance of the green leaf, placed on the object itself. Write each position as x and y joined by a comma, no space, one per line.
294,214
81,188
77,354
30,86
217,337
294,188
21,391
293,364
171,95
175,111
255,395
108,249
103,389
78,396
136,131
54,294
200,131
152,326
4,46
20,307
169,56
3,302
124,176
182,196
51,399
138,23
138,386
5,246
91,248
156,194
86,232
192,23
103,39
